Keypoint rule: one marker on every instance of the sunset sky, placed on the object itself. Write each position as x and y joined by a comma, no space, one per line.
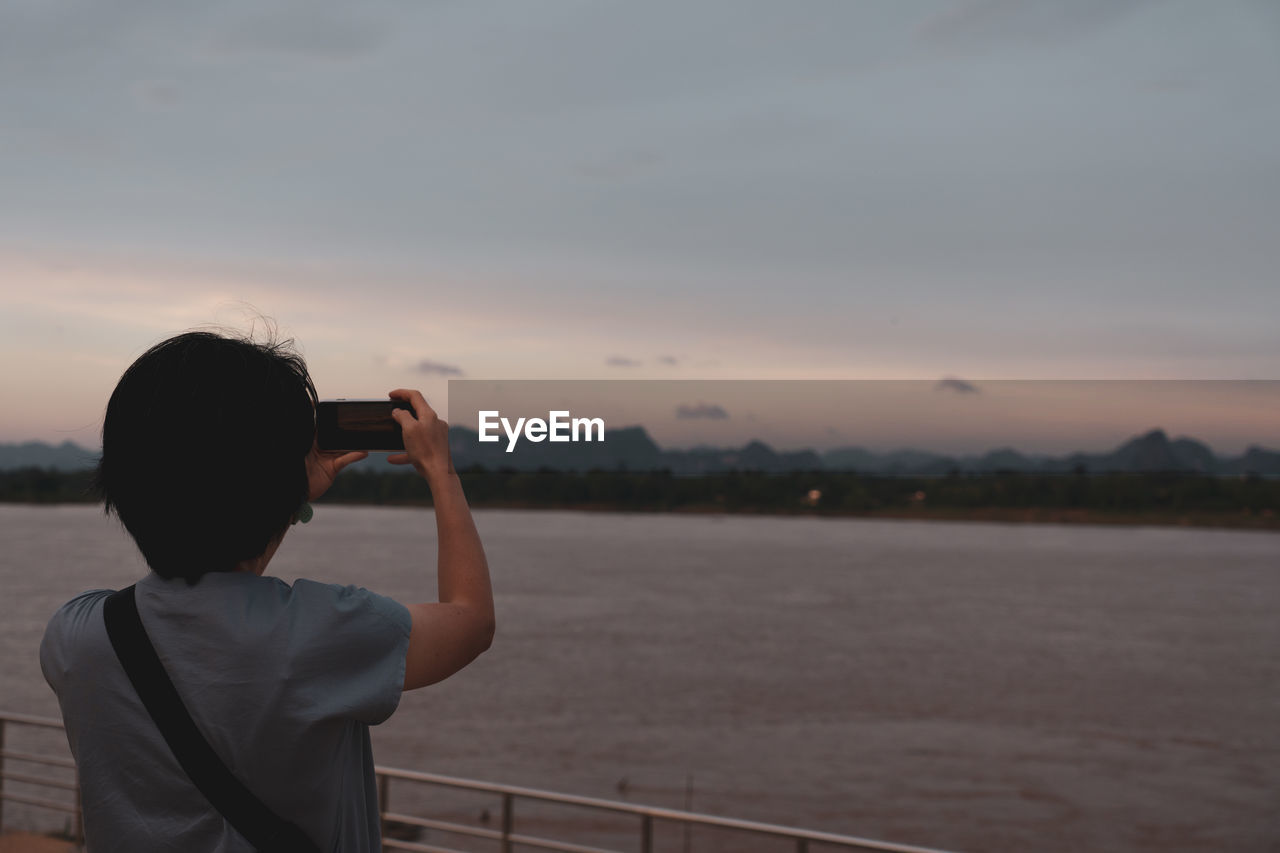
586,190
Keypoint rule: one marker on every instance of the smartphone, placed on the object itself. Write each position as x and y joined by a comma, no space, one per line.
359,424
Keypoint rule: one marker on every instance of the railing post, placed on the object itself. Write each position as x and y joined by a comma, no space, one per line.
508,820
78,825
646,834
1,773
802,845
384,794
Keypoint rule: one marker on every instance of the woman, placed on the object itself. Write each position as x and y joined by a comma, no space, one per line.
208,457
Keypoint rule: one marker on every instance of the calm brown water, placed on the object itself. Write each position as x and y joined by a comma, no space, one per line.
968,686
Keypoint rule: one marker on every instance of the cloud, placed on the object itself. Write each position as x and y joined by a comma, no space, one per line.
621,361
982,23
156,93
957,385
435,367
701,411
669,360
1171,84
621,165
312,34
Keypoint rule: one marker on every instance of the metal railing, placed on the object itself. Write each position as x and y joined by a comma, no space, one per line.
505,836
646,816
7,755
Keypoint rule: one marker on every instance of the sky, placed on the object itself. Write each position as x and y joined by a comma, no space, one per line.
565,189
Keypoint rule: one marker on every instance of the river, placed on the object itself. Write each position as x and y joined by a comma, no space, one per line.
969,686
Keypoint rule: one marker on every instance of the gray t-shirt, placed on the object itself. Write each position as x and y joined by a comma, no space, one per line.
283,682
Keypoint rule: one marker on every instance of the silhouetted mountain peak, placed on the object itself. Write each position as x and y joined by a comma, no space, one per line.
1003,459
66,456
634,438
1149,452
1257,461
1193,455
757,447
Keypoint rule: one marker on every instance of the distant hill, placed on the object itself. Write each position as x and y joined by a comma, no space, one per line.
632,449
1148,453
36,454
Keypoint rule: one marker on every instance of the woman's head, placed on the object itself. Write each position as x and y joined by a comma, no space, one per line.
204,450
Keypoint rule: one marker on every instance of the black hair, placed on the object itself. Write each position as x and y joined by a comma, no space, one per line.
204,448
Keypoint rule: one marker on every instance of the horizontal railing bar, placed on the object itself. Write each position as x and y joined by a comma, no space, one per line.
491,834
443,825
36,780
36,758
792,833
527,840
31,720
563,846
418,848
38,801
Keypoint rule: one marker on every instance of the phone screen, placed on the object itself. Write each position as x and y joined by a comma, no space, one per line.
359,425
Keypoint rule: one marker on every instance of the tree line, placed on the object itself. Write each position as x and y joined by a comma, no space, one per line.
1250,501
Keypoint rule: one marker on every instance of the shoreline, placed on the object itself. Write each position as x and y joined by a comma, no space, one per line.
1265,521
992,515
1163,500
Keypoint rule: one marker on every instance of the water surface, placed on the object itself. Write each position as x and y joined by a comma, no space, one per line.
966,686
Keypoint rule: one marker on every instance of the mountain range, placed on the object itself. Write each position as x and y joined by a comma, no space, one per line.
632,448
36,454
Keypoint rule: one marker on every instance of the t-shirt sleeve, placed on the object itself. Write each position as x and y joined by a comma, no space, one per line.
349,647
62,635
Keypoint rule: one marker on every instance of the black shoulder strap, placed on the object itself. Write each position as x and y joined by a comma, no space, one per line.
262,827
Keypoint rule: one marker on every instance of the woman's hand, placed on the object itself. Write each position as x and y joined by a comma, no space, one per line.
426,437
324,465
446,635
